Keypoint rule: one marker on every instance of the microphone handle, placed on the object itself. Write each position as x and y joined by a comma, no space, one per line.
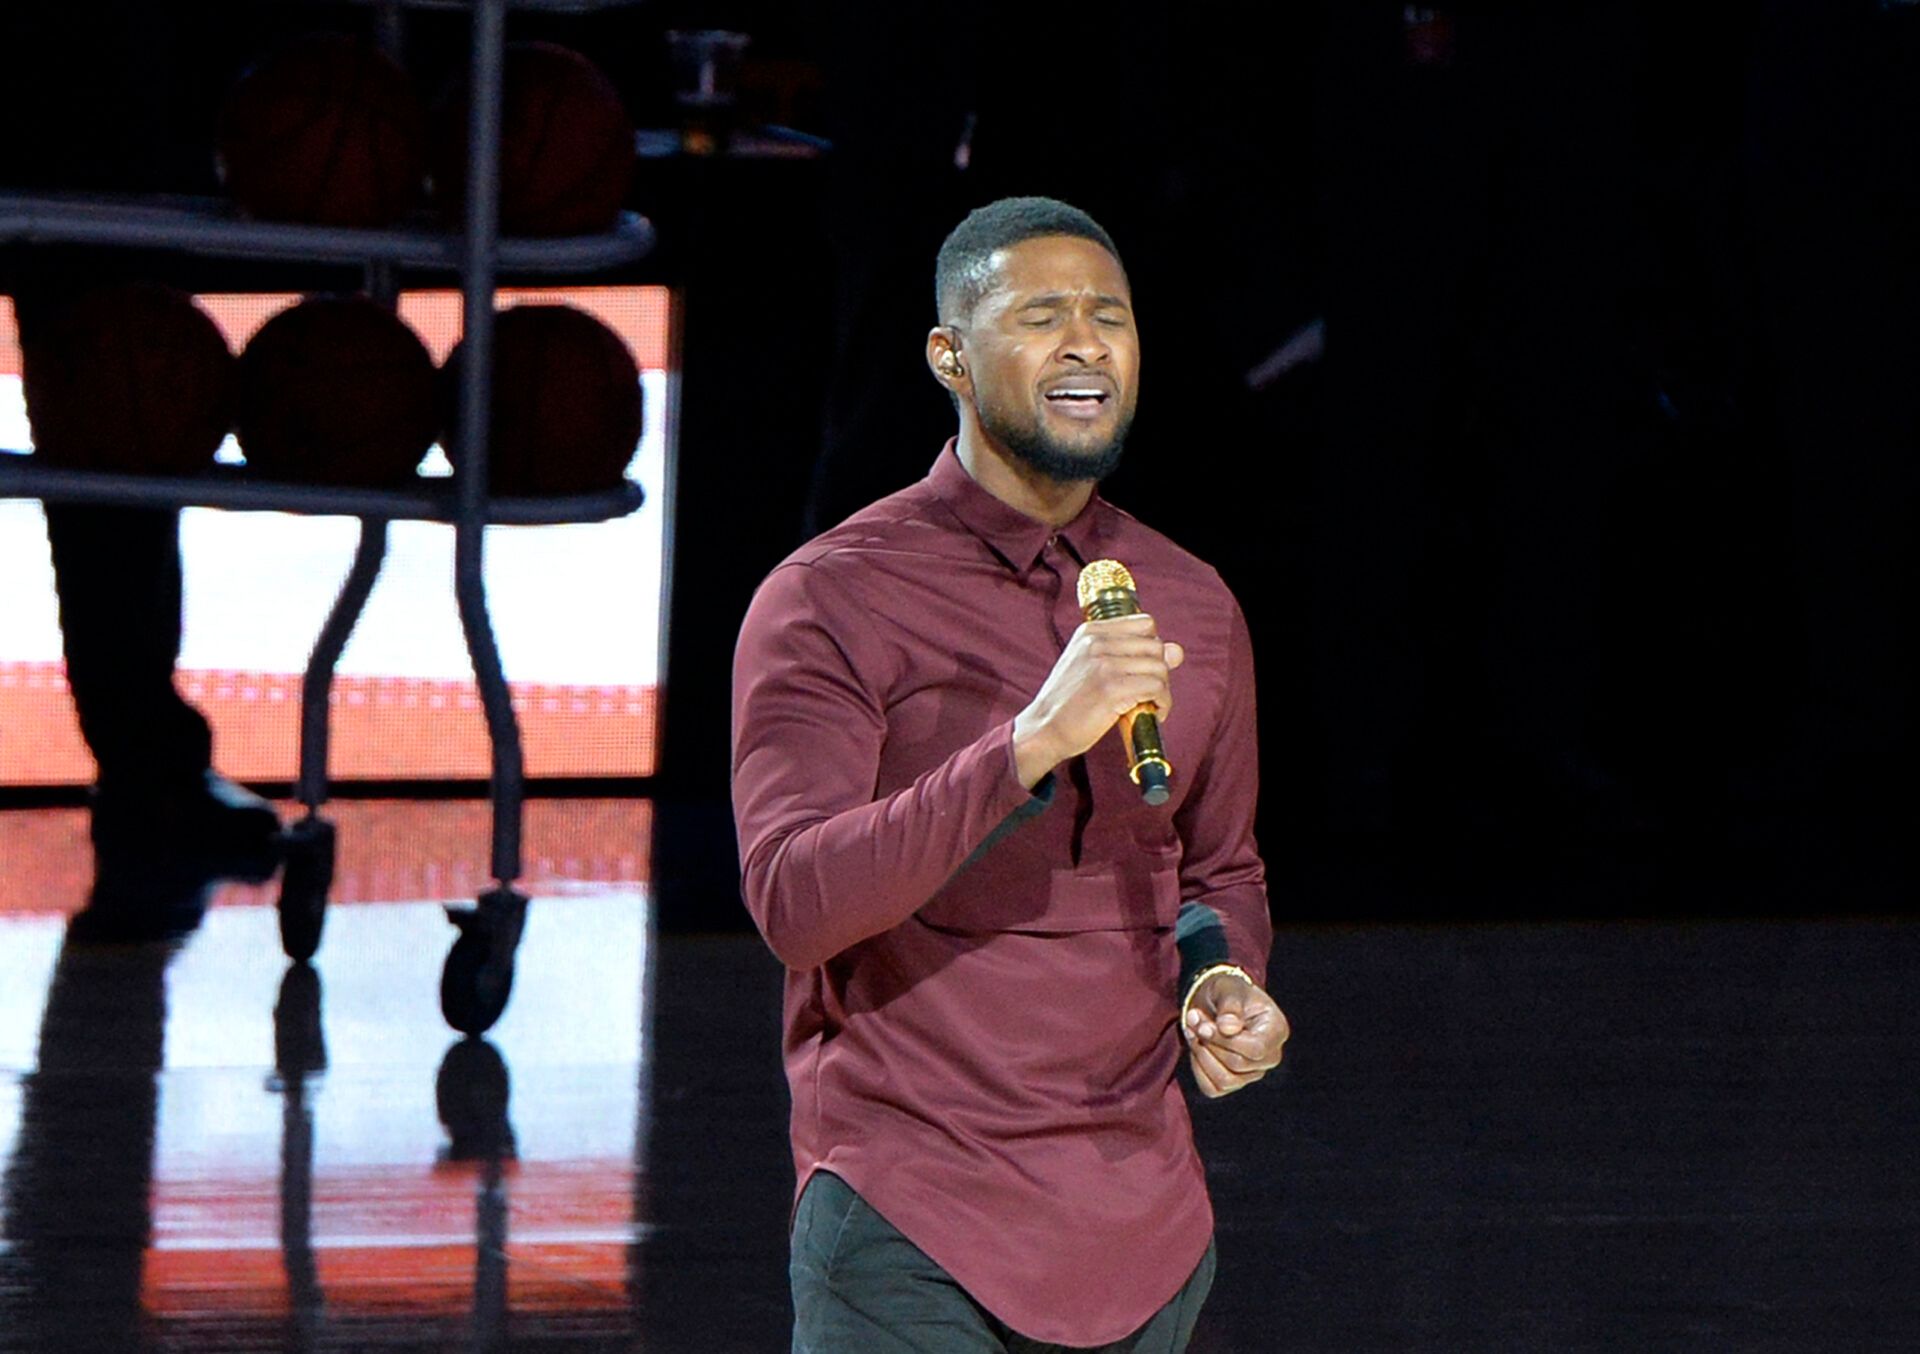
1147,760
1146,757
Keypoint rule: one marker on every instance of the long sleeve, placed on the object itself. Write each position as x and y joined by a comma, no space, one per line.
824,864
1221,869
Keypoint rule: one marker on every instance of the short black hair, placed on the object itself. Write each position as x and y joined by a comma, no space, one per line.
964,268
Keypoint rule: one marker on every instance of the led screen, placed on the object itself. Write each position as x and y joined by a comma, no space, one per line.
576,608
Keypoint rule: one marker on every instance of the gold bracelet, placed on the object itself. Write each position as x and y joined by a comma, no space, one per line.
1210,971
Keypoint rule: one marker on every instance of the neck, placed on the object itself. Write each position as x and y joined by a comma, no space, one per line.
1017,484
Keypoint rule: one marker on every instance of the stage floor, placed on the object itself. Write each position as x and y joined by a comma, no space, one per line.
1515,1137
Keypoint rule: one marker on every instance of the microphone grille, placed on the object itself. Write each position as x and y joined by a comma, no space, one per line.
1101,575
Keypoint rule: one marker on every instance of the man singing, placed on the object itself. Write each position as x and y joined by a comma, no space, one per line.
996,947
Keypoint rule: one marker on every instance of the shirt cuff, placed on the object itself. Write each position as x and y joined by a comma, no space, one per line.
1010,780
1201,937
1021,804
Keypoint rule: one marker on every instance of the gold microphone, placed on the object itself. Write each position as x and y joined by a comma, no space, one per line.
1106,593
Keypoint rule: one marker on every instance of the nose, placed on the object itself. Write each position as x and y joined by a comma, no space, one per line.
1081,341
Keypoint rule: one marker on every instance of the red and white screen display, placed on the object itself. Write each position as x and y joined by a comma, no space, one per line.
576,608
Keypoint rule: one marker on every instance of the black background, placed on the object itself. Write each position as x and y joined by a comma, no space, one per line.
1579,567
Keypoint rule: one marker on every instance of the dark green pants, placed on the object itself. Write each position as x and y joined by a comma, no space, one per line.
859,1285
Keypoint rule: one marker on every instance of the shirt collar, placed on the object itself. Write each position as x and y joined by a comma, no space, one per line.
1012,535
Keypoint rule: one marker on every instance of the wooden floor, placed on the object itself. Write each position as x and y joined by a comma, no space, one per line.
1638,1136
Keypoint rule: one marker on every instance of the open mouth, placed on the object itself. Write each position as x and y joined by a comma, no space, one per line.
1079,401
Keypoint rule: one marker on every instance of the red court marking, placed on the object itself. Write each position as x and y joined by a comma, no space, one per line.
386,851
217,1239
383,728
9,341
413,1281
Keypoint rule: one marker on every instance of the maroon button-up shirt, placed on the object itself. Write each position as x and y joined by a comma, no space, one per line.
982,993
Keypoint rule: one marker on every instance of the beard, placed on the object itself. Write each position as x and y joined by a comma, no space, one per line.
1031,444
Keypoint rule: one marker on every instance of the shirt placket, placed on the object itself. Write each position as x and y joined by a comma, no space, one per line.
1060,575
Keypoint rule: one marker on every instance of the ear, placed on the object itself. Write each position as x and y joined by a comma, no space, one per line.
943,358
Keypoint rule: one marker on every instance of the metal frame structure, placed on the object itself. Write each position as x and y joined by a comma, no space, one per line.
479,970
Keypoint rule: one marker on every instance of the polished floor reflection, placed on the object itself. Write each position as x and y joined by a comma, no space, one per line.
205,1146
1688,1136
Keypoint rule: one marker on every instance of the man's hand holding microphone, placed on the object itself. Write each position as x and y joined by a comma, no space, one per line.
1114,668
